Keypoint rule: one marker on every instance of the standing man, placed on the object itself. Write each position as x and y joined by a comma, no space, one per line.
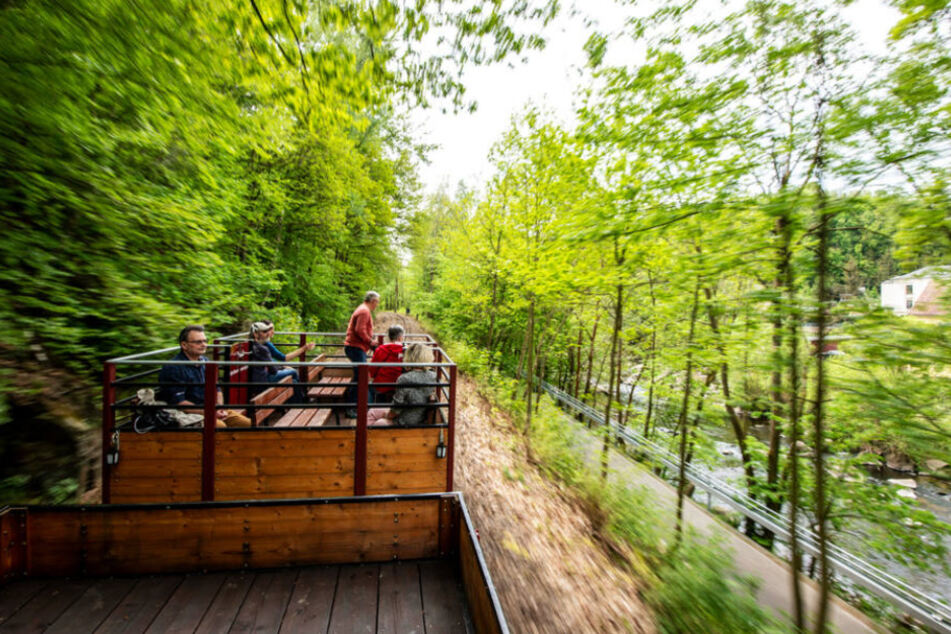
359,341
185,384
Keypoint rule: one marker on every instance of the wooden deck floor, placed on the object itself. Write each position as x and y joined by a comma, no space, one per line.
400,597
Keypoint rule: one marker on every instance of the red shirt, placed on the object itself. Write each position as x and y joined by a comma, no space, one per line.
387,353
360,329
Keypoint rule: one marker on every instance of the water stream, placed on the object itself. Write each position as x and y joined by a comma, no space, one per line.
931,494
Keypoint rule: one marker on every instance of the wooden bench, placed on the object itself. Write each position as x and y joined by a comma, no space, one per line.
333,381
331,388
305,418
271,396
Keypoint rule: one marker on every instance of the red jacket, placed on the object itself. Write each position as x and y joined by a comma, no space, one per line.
387,353
360,329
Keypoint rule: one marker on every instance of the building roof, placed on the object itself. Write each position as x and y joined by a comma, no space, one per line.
940,271
927,304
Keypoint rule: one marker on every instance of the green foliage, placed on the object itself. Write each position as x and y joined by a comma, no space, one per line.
690,597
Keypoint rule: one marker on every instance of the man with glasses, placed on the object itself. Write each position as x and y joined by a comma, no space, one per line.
185,384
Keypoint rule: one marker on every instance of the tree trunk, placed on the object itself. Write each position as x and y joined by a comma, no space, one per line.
819,410
597,382
626,412
612,376
529,376
523,353
594,332
774,500
684,415
739,431
578,363
650,391
799,617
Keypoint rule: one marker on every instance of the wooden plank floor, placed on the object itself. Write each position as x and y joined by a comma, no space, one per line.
422,597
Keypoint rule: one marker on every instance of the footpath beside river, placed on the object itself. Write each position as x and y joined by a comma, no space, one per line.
750,558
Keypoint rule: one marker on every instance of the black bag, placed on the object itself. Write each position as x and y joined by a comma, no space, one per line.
146,419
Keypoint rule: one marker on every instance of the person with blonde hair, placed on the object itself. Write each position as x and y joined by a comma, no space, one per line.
414,387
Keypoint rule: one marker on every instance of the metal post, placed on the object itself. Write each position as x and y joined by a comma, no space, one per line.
208,433
303,355
216,355
360,446
108,425
451,449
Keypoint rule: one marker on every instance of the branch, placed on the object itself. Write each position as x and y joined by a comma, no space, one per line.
300,49
271,35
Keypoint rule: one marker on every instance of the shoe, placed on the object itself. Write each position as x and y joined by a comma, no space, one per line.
234,419
350,413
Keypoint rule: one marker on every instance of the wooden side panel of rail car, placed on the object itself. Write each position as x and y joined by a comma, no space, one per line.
157,467
193,537
483,604
284,464
404,461
276,463
159,540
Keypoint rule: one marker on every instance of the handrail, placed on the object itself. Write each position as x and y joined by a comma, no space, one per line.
931,610
144,358
242,336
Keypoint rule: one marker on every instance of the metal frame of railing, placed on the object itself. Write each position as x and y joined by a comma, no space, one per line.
929,609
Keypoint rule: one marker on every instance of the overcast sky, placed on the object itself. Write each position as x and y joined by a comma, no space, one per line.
550,79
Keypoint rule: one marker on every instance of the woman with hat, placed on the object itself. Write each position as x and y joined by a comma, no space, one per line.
262,349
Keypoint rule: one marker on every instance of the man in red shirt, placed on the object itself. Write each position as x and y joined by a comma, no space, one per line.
359,341
391,352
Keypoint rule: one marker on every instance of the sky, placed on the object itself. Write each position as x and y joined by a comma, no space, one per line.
550,79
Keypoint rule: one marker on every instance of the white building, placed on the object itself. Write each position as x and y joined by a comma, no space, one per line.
916,293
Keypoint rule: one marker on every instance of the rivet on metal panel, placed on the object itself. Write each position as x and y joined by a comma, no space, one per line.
396,518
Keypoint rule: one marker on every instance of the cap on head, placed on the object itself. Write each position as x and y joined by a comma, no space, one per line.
260,326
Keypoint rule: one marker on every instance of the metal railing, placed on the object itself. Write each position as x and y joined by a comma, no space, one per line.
113,402
929,609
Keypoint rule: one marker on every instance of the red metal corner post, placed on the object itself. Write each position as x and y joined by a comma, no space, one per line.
208,433
451,449
360,446
108,426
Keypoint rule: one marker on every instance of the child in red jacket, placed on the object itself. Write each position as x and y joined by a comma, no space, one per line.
391,352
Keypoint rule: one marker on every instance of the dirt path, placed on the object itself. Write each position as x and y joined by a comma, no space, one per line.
551,576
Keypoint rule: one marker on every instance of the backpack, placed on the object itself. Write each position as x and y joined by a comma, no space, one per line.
152,419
